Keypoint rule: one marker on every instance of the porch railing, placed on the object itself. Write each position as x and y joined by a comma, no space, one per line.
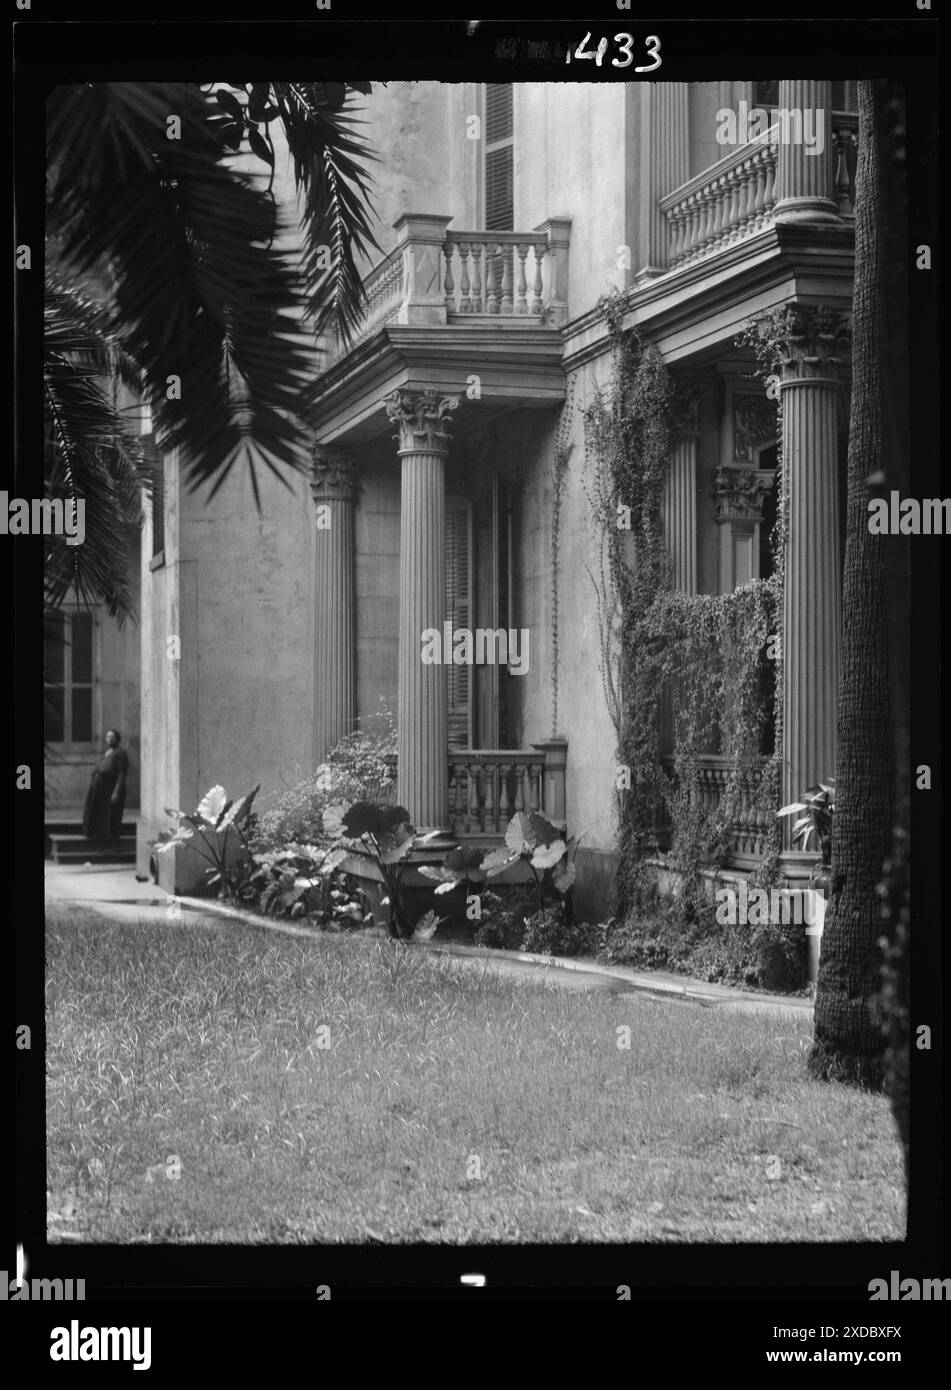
736,197
750,824
487,787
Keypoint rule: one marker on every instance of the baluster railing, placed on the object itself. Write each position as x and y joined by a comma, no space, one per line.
488,787
735,198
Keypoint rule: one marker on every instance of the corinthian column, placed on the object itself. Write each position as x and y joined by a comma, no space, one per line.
334,488
423,727
814,344
804,171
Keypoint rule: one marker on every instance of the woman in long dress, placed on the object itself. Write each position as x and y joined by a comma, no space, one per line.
105,800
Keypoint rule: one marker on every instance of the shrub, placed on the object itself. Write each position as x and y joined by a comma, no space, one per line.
362,767
547,933
504,912
303,881
661,937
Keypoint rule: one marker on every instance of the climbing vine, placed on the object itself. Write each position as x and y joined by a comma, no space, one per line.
702,661
558,471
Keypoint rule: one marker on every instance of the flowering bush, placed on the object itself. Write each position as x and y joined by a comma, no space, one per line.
362,767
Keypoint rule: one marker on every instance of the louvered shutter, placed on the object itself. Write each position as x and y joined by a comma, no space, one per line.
499,187
498,112
499,208
458,612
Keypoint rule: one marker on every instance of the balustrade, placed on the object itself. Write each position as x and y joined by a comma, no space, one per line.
487,788
735,198
712,780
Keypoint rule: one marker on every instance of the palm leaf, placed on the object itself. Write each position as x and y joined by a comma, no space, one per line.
90,454
327,154
199,288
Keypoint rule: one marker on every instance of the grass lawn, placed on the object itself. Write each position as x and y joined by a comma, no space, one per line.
437,1104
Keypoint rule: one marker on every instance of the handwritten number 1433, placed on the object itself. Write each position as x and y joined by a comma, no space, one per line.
626,44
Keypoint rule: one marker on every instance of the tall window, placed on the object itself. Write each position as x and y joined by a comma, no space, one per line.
499,200
845,96
458,610
158,498
842,95
69,663
766,94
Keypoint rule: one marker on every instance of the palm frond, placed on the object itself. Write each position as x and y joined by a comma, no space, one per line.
201,293
328,157
90,455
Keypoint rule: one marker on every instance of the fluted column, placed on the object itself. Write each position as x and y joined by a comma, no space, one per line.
680,524
664,166
423,725
815,342
334,488
680,513
804,175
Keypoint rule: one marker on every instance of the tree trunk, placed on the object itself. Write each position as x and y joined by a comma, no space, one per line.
849,1039
890,123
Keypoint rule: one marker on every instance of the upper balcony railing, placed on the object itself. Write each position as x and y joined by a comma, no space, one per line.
736,197
436,277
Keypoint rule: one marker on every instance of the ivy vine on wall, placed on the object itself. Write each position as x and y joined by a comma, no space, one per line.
705,657
558,470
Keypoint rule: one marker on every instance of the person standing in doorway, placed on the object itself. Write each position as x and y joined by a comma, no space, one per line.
105,800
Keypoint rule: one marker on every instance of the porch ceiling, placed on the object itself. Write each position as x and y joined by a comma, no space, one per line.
518,364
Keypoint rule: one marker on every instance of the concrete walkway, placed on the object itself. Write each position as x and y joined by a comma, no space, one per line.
114,893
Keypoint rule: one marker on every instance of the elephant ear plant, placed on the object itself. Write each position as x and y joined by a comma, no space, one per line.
386,836
211,831
538,842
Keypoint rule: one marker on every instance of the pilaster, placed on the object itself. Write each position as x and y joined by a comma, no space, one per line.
334,488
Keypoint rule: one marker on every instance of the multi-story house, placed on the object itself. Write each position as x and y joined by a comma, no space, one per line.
504,213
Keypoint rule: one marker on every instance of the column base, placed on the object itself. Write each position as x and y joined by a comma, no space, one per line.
806,210
797,867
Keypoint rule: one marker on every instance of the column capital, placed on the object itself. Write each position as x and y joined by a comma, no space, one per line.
738,493
754,420
685,404
333,474
814,343
421,418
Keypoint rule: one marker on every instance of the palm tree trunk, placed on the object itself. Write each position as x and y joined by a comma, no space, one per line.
849,1039
890,121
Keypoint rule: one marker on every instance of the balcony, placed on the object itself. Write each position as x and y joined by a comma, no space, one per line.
735,198
434,277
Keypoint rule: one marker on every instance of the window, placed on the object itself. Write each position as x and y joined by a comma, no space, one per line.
499,199
766,94
842,95
69,660
156,462
158,500
458,610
